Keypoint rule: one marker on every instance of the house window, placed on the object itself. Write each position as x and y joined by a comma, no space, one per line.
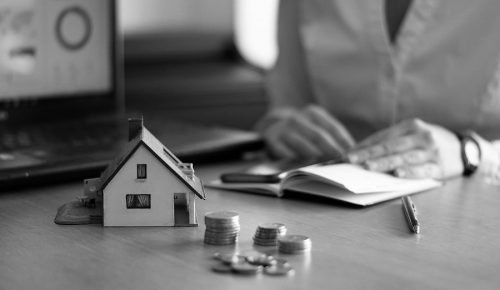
138,201
171,156
142,171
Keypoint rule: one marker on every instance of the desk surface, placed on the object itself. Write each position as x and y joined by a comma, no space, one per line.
459,247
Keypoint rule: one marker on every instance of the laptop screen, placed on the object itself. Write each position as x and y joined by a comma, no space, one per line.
56,49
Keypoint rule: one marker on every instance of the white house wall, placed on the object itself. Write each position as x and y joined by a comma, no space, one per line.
161,183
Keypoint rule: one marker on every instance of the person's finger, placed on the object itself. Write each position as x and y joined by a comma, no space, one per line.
419,156
403,128
325,120
362,155
426,170
385,164
322,140
300,145
409,158
391,146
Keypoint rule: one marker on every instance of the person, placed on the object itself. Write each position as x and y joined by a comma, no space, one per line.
411,79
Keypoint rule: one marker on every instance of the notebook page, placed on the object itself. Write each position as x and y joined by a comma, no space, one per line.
359,180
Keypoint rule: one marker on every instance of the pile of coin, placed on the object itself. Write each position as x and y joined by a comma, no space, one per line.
251,264
267,234
294,244
222,227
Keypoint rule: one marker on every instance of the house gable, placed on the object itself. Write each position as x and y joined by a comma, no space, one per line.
164,155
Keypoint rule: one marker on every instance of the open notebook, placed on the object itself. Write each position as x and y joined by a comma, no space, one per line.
344,182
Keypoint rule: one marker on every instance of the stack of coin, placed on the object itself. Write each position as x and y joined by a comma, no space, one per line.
222,228
267,234
294,244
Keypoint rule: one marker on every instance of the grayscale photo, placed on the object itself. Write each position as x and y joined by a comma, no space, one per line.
249,144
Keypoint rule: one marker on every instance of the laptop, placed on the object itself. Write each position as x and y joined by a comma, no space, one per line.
61,101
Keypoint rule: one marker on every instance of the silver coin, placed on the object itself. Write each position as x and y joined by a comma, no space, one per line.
229,258
222,215
221,223
213,243
271,226
288,249
212,239
294,242
221,235
299,245
284,251
278,270
222,268
262,260
246,268
261,235
264,237
270,232
220,241
274,241
291,239
264,244
222,228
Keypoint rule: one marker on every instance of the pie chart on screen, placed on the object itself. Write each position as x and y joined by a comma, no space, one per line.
73,28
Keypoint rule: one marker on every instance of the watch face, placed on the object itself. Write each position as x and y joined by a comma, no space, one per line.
472,152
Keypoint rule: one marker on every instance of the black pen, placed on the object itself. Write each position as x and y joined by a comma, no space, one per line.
411,214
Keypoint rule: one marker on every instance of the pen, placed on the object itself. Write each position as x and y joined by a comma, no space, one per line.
411,214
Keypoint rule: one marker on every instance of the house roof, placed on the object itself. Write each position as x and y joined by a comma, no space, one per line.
167,158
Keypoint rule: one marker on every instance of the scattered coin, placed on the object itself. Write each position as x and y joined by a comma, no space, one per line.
229,258
279,269
261,260
222,268
246,268
251,264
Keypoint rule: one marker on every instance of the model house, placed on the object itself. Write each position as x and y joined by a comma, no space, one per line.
147,185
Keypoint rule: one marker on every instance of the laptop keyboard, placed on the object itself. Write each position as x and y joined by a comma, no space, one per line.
56,143
70,148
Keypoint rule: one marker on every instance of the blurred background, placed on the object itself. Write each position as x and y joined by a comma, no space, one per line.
197,60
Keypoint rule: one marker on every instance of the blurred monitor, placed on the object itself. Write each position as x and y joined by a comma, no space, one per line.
54,50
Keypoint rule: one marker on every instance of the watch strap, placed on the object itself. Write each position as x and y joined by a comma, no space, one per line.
466,137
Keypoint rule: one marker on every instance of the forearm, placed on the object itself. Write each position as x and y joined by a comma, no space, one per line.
287,83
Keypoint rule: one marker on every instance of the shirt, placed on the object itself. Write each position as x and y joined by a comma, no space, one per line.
443,66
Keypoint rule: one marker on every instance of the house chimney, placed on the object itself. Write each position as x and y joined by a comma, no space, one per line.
134,127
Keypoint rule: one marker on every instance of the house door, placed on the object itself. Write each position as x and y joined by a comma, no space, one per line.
181,209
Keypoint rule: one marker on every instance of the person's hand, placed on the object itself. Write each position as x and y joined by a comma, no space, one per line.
411,149
308,133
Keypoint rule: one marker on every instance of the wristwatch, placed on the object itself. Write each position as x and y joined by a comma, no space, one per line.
470,152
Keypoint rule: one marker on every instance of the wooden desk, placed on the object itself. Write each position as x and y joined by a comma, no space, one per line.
368,248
